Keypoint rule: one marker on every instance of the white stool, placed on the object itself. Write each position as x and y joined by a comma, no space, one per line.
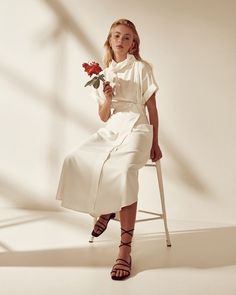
161,215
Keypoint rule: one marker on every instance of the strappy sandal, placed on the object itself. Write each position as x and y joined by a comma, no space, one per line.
102,226
122,262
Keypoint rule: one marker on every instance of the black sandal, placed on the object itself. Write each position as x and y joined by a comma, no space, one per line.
102,226
115,268
123,262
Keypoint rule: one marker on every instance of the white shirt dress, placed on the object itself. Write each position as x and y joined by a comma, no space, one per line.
100,176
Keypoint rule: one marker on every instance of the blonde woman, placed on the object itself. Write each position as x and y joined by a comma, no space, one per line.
100,177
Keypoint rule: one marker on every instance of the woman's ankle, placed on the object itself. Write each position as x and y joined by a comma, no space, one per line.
124,252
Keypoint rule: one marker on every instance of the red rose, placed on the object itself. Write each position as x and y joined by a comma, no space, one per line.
93,68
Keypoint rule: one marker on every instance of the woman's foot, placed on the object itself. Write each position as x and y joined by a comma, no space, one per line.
122,268
101,224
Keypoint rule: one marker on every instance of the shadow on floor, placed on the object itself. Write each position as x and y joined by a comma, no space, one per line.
208,248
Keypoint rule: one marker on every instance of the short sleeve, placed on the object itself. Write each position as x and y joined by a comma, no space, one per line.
149,84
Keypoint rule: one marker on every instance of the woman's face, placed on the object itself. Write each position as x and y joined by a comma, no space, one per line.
121,40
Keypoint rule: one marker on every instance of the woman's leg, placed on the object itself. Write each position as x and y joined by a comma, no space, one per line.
127,221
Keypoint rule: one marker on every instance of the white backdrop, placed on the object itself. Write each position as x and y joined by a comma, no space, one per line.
45,110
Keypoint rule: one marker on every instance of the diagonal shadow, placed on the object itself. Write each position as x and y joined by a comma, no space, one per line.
55,102
209,248
15,221
51,100
186,173
5,247
22,197
201,248
69,23
184,170
73,221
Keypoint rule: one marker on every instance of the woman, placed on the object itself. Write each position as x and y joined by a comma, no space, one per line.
100,177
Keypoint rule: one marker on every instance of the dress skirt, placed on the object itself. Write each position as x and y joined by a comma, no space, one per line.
100,176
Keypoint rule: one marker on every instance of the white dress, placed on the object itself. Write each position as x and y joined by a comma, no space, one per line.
101,175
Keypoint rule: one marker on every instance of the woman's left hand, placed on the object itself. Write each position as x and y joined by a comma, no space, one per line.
156,153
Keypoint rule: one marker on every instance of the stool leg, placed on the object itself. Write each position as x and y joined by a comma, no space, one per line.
92,237
161,190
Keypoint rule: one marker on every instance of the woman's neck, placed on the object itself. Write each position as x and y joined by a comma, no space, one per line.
120,58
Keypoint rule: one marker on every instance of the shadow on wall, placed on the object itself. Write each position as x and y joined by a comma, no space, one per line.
184,171
20,196
202,249
66,22
51,99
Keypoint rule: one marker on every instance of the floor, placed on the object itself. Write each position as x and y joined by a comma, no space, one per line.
45,252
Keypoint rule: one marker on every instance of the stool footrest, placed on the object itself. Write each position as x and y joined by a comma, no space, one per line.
157,216
152,213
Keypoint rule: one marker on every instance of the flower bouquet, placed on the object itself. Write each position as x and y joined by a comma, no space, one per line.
93,68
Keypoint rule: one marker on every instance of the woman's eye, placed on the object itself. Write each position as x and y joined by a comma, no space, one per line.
126,38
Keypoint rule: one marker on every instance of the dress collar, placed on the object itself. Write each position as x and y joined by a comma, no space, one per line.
120,65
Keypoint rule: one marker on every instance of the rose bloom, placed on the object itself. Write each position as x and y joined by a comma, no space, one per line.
92,68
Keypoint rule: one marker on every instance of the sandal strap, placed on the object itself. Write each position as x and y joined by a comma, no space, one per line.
100,225
128,232
125,261
128,244
114,267
106,219
125,264
99,222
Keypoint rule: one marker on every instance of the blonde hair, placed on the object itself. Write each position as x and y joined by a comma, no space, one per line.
109,55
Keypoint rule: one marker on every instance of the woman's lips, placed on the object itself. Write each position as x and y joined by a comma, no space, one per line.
119,46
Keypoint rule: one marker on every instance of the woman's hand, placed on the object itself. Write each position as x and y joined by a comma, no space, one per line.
156,153
107,90
105,108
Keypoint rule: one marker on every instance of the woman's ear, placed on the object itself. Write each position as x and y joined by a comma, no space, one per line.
131,50
132,46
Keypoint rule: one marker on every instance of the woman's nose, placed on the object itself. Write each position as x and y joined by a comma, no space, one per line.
120,41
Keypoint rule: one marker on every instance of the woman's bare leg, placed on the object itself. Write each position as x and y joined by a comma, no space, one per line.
127,221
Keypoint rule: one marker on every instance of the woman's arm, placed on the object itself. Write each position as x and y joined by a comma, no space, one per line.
104,110
156,153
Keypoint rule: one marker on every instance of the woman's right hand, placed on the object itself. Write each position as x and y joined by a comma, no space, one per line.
107,90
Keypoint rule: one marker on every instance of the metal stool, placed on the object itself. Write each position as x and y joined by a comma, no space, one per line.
161,215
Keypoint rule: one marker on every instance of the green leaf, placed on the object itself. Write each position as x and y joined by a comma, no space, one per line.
90,82
102,77
96,83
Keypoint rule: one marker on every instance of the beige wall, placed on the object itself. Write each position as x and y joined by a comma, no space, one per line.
45,110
